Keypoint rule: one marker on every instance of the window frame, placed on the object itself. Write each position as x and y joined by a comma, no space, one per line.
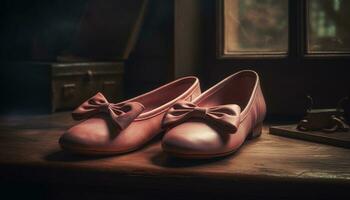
297,37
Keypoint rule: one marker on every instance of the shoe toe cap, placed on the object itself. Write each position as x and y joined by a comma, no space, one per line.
93,132
194,138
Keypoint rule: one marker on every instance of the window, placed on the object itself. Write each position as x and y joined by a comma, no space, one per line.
272,27
255,26
328,26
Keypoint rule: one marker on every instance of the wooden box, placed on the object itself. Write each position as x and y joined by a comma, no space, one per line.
52,86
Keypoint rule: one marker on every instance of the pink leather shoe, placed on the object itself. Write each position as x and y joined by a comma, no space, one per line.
218,121
110,128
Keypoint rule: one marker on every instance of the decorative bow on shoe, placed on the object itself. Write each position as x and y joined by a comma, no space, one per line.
223,116
121,114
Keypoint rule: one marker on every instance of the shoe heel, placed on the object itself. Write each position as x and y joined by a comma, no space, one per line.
256,132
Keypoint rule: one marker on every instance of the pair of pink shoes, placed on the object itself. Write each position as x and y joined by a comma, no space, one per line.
212,124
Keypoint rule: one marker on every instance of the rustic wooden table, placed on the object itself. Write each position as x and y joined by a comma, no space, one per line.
31,163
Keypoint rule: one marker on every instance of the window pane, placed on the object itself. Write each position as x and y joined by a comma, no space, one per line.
255,26
329,25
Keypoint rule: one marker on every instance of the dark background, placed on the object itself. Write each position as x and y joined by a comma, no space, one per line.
177,38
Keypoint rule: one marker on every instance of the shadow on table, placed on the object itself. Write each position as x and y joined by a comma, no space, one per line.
164,160
63,156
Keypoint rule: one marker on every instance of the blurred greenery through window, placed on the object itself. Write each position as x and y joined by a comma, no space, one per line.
328,25
256,25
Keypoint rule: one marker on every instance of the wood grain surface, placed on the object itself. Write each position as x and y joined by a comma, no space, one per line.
29,152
